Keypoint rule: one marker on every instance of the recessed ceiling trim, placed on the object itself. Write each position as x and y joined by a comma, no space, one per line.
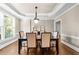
67,10
5,8
13,8
58,6
23,15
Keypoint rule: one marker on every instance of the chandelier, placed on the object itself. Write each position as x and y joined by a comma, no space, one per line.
36,19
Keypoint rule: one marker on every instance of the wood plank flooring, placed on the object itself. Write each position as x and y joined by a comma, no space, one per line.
12,49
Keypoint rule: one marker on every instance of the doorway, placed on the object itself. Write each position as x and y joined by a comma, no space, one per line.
58,26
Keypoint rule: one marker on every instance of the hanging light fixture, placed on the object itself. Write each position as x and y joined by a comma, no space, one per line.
36,19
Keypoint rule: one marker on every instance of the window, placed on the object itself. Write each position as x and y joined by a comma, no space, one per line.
0,33
8,26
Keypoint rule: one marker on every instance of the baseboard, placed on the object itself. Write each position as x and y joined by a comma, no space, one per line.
71,46
8,43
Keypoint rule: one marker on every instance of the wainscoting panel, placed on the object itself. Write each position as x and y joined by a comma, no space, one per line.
71,41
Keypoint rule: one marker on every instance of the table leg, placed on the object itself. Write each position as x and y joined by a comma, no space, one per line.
57,46
19,46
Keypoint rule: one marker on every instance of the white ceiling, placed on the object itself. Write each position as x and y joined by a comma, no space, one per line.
30,7
45,10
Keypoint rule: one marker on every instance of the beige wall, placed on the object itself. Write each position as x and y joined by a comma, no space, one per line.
25,25
70,26
70,22
48,24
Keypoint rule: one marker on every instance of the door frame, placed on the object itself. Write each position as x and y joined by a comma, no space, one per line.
55,21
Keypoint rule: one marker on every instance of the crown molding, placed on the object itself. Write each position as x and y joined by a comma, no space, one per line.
24,14
58,7
63,10
67,10
12,10
4,8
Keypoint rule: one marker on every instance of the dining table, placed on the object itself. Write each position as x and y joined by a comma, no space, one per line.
20,40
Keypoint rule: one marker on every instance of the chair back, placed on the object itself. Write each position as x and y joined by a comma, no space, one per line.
31,40
55,35
21,34
46,40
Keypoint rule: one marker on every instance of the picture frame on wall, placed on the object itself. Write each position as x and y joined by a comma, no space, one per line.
34,29
42,28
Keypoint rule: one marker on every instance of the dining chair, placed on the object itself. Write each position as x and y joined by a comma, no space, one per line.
45,45
21,34
22,41
31,41
54,36
55,41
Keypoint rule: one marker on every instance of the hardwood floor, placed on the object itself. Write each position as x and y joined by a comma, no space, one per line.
12,49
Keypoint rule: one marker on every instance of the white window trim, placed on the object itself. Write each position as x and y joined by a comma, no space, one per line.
2,27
